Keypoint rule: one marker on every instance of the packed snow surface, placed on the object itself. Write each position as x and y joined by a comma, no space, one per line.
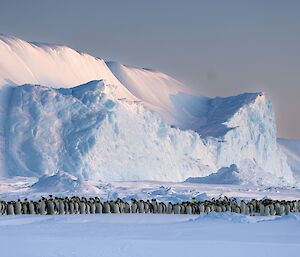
149,235
63,185
126,123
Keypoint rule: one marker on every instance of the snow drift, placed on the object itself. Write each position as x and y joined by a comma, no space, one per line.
56,183
127,124
64,183
225,175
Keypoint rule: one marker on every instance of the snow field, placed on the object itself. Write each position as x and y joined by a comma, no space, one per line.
149,235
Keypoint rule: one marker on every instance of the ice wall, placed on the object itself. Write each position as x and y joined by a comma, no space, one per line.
87,132
91,134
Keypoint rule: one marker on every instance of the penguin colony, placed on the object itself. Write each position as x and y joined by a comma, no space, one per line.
82,205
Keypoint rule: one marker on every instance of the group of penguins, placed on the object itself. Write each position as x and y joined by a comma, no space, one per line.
82,205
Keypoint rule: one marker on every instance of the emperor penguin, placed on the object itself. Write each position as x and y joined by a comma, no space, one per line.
201,208
25,206
121,206
154,205
61,207
287,209
188,209
31,207
207,209
56,205
266,211
218,208
237,209
295,206
36,207
277,207
223,206
82,207
164,207
182,208
76,206
87,207
176,209
50,206
281,210
147,207
195,208
247,210
10,208
170,208
92,207
261,209
42,207
106,207
228,208
133,206
98,206
67,205
18,207
272,209
243,207
115,208
160,208
141,207
71,207
256,205
251,209
127,208
1,207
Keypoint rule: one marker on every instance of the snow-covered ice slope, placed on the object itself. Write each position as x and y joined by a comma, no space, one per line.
174,102
118,127
51,65
291,148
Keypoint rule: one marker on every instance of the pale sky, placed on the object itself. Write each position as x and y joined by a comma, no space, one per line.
217,47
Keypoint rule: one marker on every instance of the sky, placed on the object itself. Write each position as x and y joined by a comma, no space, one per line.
219,48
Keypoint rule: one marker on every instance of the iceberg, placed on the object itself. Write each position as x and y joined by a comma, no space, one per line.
66,111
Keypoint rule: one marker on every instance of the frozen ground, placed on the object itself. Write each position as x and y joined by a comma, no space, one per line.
11,189
149,235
